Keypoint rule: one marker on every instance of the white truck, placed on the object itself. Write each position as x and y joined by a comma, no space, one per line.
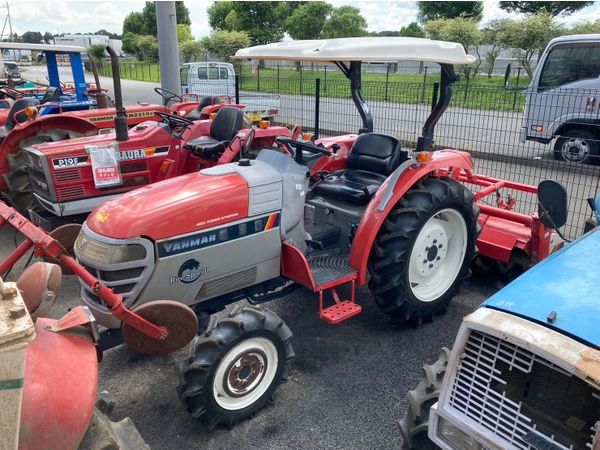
207,79
562,99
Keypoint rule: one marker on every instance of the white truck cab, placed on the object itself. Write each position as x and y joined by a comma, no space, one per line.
207,79
562,99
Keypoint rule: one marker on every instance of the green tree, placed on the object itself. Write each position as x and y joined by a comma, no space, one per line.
491,33
529,37
412,30
148,46
133,23
586,27
98,51
552,8
384,33
191,50
263,21
110,35
149,17
47,37
223,44
345,21
184,33
462,30
130,44
32,37
308,21
449,10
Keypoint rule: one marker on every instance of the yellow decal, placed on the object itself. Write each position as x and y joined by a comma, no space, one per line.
150,151
102,215
129,116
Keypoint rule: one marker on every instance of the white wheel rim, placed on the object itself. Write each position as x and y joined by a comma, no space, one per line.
438,255
245,373
580,147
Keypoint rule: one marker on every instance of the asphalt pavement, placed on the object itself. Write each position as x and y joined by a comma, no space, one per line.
347,386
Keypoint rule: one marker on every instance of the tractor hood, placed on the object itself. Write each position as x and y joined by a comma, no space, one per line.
173,207
563,284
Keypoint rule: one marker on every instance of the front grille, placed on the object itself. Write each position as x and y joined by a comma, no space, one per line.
125,278
70,192
522,397
67,175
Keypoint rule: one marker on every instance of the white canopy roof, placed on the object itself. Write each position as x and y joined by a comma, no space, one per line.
361,49
42,47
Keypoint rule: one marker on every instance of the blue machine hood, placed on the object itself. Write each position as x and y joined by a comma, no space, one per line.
567,283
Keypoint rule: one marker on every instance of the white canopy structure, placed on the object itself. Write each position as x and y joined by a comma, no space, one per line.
361,49
42,47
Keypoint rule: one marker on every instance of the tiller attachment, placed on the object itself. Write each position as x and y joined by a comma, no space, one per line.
156,328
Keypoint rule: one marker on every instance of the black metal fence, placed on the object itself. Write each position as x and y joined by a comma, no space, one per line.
483,120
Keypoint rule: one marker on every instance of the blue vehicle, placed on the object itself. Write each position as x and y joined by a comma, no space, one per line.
524,372
79,97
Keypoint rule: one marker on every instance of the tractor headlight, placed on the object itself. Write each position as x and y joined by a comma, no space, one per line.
103,253
34,161
457,438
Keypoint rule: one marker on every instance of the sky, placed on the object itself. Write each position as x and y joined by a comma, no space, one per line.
90,16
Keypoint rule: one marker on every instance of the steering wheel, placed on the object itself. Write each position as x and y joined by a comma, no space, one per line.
296,148
248,142
173,120
10,93
167,95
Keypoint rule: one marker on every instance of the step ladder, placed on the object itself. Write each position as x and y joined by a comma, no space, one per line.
320,272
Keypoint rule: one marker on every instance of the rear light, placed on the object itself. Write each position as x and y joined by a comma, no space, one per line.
537,128
164,167
264,124
31,112
273,112
424,157
212,116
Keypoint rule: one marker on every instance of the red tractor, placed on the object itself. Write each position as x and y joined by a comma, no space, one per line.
365,211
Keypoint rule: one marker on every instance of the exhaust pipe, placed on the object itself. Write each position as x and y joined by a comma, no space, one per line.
100,96
121,117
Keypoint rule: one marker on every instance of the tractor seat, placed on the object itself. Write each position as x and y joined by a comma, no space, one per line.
52,95
196,113
372,159
18,105
223,128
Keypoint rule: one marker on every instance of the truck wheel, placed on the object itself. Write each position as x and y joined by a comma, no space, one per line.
415,424
20,192
423,250
236,366
577,146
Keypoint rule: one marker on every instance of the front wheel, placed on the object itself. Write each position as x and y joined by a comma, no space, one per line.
415,425
578,146
236,366
423,250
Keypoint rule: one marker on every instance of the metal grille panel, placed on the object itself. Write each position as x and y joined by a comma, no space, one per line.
226,284
67,175
523,398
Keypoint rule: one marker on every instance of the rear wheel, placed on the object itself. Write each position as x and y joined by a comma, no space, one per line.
415,425
423,250
578,146
20,192
236,366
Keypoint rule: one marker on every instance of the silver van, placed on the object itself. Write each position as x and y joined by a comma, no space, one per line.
10,69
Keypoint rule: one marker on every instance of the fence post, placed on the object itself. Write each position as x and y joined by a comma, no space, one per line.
387,80
301,67
237,89
516,90
325,80
317,105
434,99
424,85
278,90
136,77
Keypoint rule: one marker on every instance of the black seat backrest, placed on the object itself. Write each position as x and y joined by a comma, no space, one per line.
52,95
19,105
375,152
226,123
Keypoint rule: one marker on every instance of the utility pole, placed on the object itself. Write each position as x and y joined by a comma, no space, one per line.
7,19
168,50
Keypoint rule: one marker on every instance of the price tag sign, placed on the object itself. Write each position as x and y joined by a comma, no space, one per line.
105,165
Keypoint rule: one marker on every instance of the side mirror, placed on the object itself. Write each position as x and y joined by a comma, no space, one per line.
506,75
553,207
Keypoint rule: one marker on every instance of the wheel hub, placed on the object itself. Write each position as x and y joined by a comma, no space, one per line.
245,373
431,251
576,150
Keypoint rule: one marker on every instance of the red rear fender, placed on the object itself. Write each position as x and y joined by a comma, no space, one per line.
373,219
